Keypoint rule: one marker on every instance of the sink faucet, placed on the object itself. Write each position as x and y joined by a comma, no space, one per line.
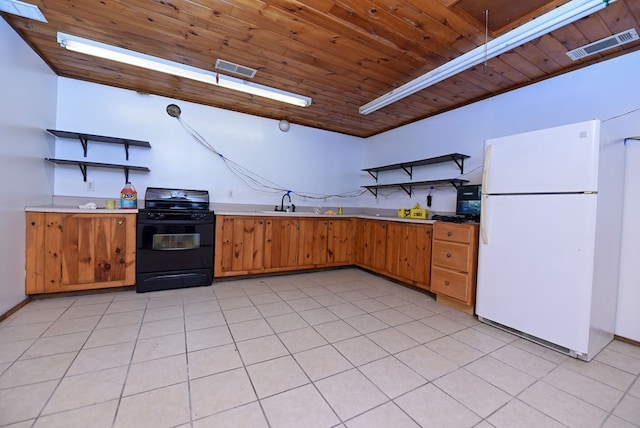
282,208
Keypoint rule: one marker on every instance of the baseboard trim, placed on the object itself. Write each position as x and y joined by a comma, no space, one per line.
625,340
14,309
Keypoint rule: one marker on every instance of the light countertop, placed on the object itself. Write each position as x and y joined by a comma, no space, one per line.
76,210
101,210
311,214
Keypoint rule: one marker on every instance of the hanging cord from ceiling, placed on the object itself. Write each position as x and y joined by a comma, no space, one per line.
252,180
621,115
486,39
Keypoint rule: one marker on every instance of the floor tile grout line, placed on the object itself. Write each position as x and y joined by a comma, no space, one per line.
246,372
128,370
186,357
40,413
358,368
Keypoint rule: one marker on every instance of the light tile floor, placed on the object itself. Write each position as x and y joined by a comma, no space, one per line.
339,348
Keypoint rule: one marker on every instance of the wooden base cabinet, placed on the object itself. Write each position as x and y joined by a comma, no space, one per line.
340,241
254,245
409,253
239,246
70,252
371,244
454,264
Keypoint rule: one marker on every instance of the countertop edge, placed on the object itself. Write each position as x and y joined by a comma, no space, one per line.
314,215
77,210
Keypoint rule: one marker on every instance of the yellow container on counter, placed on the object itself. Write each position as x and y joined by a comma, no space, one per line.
418,213
404,212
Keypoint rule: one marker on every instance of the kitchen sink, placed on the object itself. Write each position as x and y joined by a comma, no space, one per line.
284,213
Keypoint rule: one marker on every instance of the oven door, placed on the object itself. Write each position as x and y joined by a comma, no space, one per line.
174,253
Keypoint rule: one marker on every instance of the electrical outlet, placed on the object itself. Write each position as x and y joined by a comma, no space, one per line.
91,186
230,195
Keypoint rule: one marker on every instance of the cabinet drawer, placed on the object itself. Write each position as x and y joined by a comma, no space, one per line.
451,284
451,255
452,232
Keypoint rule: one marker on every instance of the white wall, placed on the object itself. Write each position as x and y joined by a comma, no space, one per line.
303,160
28,89
602,91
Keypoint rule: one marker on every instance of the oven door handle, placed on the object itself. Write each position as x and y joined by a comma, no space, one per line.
175,222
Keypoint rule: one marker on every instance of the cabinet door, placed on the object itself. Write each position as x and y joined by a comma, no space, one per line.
239,245
281,243
340,242
395,248
417,254
409,252
35,253
312,242
85,251
372,244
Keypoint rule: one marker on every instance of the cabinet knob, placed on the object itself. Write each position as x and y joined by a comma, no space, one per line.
120,221
449,233
448,254
446,283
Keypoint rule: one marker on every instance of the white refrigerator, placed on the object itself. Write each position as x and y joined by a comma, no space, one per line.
550,236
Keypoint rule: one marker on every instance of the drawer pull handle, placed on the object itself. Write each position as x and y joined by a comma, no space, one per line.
448,254
446,283
449,234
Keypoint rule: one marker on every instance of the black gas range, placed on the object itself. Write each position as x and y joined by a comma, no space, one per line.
175,239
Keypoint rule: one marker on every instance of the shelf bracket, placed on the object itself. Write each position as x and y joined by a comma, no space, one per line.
126,150
408,170
407,189
375,177
460,163
455,184
84,141
373,191
83,169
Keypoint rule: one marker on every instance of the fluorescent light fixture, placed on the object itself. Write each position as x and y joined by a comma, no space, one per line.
114,53
558,17
20,8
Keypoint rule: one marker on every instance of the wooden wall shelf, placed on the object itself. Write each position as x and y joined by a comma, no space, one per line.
408,168
83,166
408,187
85,138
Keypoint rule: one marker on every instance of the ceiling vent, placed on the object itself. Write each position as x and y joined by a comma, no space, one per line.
238,69
603,44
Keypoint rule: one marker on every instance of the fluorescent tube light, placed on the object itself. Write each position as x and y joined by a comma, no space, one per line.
558,17
20,8
114,53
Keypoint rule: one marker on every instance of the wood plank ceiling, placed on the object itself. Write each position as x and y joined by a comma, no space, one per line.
342,53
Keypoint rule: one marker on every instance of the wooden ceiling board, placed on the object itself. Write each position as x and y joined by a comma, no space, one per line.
342,53
505,14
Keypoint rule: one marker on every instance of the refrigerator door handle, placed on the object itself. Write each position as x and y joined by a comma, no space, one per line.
483,211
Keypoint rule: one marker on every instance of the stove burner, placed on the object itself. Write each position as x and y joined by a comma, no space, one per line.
176,199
